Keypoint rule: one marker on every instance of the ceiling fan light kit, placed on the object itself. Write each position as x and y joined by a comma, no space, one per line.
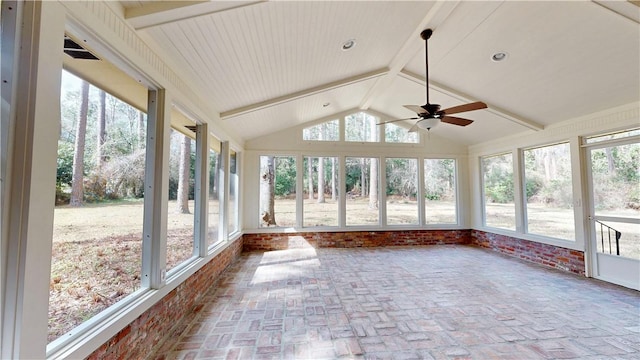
430,115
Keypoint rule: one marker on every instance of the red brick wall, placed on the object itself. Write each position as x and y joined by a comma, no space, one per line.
349,239
543,254
138,339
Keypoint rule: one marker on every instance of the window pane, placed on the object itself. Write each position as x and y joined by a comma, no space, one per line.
440,191
499,206
234,193
97,238
327,131
402,191
616,135
214,191
320,191
362,191
361,127
180,219
277,191
616,179
549,192
398,134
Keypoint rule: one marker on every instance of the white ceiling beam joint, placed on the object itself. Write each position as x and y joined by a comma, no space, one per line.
304,93
156,13
530,124
435,16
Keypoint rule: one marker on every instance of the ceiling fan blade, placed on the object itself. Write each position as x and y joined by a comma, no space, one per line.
414,128
396,120
416,109
455,120
466,107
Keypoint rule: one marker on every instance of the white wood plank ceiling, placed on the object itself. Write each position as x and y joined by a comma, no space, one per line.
270,65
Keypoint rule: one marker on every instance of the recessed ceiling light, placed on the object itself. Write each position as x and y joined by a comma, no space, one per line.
499,56
349,44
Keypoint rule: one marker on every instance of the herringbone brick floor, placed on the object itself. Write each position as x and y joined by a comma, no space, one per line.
434,302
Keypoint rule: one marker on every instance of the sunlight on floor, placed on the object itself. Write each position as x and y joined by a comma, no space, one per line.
277,265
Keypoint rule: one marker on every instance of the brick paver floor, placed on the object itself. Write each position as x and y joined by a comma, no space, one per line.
434,302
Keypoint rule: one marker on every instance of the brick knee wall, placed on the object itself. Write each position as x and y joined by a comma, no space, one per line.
351,239
139,339
543,254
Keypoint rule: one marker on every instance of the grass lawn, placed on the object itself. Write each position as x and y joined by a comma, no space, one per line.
96,258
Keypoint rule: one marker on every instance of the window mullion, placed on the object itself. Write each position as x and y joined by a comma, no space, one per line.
154,243
201,216
223,192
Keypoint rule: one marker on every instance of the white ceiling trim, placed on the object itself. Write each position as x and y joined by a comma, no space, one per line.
164,12
628,9
466,98
302,94
436,15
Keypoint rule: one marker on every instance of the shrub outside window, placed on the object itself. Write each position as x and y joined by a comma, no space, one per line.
398,134
320,206
277,191
549,192
98,217
440,189
362,191
402,191
213,221
361,127
498,190
327,131
181,207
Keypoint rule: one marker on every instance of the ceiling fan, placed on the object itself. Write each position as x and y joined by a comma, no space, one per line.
429,115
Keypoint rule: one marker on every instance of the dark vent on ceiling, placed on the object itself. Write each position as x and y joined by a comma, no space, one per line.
76,51
191,127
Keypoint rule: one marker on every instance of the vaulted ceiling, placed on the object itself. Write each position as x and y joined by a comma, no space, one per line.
270,65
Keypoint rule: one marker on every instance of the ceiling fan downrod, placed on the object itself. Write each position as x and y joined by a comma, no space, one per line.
426,34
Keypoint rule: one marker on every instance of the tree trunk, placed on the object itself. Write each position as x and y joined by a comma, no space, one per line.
267,190
141,142
362,178
373,184
310,177
102,132
77,182
321,180
611,165
333,179
183,175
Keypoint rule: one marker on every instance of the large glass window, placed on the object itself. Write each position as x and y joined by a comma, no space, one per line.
402,191
398,134
181,207
277,191
214,196
548,191
320,206
440,191
361,127
327,131
498,190
362,189
98,217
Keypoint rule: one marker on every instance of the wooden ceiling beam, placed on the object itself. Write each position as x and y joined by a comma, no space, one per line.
155,13
304,93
